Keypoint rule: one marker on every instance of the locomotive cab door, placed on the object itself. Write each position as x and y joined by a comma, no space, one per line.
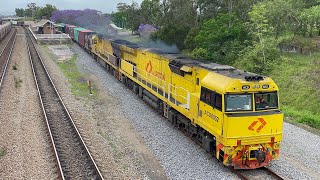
210,110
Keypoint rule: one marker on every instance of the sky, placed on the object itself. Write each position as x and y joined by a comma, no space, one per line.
7,7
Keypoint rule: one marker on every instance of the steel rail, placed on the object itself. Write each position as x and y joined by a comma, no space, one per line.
12,41
243,177
271,173
53,132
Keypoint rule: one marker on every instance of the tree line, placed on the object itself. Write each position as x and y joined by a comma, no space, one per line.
244,33
34,11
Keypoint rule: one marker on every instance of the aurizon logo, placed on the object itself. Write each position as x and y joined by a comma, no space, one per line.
149,67
154,73
254,123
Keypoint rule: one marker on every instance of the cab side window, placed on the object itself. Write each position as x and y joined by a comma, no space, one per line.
218,101
211,98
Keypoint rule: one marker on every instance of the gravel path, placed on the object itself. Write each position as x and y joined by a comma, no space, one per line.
180,157
22,131
118,150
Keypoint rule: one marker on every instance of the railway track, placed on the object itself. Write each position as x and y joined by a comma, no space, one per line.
73,157
242,176
6,55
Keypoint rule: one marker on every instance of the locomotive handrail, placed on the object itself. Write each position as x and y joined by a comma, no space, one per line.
158,85
187,99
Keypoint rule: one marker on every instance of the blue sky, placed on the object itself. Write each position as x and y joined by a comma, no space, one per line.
7,7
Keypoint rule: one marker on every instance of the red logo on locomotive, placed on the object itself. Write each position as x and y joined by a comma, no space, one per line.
254,123
155,73
149,67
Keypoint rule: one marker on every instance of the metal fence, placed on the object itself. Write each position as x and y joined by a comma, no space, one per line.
52,36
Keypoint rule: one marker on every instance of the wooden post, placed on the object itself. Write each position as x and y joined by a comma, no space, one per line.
89,87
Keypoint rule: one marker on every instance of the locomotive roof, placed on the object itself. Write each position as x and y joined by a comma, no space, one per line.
182,59
125,42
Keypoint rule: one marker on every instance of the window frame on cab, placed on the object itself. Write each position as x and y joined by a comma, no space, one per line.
235,111
213,95
266,109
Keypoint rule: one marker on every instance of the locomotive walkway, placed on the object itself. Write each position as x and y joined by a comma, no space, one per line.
73,157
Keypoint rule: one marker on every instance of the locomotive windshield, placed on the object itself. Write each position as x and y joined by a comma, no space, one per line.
239,102
266,101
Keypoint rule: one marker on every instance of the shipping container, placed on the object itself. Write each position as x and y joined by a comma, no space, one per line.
69,30
61,27
76,33
83,36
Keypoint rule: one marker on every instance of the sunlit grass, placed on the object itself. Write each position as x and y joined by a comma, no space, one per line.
79,86
298,81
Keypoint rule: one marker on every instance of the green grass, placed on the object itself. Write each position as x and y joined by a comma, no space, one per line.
3,152
77,80
299,83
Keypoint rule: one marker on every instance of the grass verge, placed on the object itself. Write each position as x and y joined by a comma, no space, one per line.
302,116
79,86
3,152
297,78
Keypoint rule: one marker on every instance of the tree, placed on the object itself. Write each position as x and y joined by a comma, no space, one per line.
150,12
32,7
28,12
222,39
311,17
19,12
45,11
130,14
259,25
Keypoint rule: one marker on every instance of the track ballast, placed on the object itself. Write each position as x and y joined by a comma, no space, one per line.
73,157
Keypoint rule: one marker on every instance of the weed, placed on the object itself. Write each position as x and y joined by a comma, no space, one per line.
78,82
14,67
17,82
3,152
110,142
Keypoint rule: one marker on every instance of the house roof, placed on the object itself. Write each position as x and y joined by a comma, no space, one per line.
115,26
42,23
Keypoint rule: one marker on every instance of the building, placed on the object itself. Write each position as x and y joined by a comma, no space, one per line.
45,26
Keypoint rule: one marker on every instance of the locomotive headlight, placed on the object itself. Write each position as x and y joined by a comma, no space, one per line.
256,86
265,86
245,87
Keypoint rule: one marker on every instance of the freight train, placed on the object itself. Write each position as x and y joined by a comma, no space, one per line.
234,115
5,28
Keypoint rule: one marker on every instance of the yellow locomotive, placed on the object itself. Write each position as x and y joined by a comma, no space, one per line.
233,114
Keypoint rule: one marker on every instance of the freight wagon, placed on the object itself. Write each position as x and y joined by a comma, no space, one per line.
5,29
69,30
84,38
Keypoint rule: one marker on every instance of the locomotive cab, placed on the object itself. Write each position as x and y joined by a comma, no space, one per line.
245,118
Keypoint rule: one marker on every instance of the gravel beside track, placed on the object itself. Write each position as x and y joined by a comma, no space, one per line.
22,134
180,157
118,150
